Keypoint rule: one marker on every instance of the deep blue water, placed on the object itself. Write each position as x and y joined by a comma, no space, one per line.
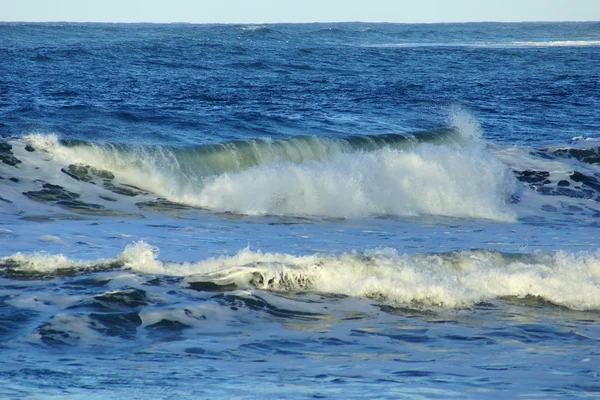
300,210
196,84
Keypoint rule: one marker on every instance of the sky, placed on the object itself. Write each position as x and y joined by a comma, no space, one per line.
270,11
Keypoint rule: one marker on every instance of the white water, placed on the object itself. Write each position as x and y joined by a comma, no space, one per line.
459,181
452,180
517,44
452,280
447,181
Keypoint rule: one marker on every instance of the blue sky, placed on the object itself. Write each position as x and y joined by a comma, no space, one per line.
266,11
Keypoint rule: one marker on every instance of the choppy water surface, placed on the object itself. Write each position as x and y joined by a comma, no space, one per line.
299,211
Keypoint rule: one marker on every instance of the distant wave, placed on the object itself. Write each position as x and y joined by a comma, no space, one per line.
422,281
558,43
256,29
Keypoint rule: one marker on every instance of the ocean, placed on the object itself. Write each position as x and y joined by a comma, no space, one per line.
338,211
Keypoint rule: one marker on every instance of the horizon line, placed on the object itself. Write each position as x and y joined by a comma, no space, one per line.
294,23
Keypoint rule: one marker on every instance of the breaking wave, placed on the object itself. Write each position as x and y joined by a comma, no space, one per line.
446,280
445,172
426,181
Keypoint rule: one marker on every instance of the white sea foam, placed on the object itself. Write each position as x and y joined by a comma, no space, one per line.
457,180
42,262
465,178
152,170
430,180
452,180
553,43
255,28
456,280
558,43
140,254
450,280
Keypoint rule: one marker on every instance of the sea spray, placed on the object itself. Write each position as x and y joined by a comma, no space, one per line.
425,281
446,172
458,181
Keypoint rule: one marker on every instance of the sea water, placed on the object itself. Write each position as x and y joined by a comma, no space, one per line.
300,211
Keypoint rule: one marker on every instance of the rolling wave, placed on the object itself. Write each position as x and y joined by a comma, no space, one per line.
422,281
441,172
447,172
430,180
217,158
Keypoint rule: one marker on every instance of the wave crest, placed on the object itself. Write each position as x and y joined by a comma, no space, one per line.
425,281
446,181
444,172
